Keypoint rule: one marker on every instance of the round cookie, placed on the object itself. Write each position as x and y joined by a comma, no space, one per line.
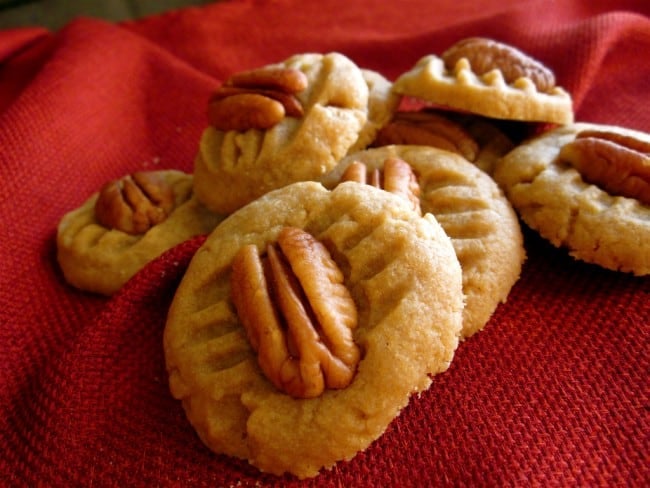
473,211
96,258
553,198
234,167
491,91
405,280
473,137
493,143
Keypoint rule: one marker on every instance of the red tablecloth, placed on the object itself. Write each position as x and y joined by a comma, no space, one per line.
554,392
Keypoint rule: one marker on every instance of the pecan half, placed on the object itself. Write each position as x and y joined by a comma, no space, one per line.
297,313
134,203
245,111
485,54
291,104
287,80
396,177
618,163
257,99
625,140
428,129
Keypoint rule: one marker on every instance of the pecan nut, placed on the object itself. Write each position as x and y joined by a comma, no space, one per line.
134,203
245,111
618,163
625,140
257,99
485,55
286,80
428,129
298,314
397,177
292,106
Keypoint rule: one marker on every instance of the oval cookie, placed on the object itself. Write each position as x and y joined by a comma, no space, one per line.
552,197
404,277
473,211
96,258
234,167
490,91
473,137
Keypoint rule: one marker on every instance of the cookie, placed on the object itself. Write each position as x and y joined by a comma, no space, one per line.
403,277
475,138
593,223
472,210
489,78
287,122
100,256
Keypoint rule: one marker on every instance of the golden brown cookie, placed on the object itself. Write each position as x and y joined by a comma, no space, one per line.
472,210
131,221
265,134
473,137
486,77
596,222
404,279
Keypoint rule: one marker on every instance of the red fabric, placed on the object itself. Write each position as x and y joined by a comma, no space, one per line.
554,391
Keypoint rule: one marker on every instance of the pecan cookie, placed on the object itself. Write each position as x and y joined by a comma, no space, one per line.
307,320
128,223
472,210
282,123
473,137
585,187
489,78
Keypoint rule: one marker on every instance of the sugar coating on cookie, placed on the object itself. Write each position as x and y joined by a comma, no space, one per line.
473,211
488,94
234,167
100,259
552,197
405,279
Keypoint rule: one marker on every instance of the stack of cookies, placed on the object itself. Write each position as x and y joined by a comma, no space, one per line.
583,186
358,231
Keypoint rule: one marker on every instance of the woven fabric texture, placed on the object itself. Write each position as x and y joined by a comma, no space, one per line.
554,391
